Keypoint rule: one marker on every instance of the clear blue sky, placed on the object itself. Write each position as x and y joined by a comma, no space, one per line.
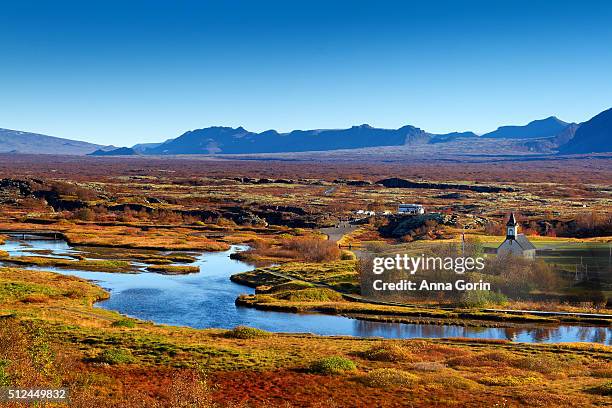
127,71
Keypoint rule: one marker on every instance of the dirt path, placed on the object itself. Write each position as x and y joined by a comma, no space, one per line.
336,233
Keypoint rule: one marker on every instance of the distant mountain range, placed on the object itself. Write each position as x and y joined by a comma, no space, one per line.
239,140
545,135
15,141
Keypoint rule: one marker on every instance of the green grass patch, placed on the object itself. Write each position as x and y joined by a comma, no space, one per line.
128,323
20,291
330,272
244,332
173,269
102,265
115,356
311,295
332,365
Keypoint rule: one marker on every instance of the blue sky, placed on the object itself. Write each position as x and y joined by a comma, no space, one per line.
128,71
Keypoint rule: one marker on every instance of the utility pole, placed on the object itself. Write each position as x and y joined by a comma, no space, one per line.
576,274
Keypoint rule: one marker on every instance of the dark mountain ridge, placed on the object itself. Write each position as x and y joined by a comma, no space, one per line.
548,127
593,136
229,140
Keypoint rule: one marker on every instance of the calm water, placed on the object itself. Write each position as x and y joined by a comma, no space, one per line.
206,300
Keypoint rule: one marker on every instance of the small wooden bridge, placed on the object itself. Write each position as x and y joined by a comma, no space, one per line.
31,233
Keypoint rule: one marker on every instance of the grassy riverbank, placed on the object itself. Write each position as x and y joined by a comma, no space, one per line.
114,361
105,265
333,288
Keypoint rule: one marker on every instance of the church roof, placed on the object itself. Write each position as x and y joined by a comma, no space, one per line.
524,242
511,221
520,240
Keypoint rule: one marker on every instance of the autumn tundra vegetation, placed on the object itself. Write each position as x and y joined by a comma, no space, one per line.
157,215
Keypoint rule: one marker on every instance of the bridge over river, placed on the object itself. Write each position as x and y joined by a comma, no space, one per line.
33,233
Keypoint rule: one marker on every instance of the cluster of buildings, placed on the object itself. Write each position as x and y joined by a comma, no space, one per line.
515,244
406,209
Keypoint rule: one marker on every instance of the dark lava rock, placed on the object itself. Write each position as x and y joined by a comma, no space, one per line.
359,183
395,182
453,196
22,186
401,225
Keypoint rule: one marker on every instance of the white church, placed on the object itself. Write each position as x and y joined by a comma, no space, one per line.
516,244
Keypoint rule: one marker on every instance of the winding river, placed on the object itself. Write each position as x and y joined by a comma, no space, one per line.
206,300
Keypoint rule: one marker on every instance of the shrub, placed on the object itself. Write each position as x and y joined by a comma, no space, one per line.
347,255
244,332
3,254
482,298
313,249
332,365
129,323
507,380
517,277
602,389
457,382
388,377
115,356
297,248
389,353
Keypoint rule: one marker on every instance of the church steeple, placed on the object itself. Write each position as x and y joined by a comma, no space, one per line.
511,227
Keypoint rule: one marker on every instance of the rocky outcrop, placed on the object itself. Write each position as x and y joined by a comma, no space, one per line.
22,187
452,196
131,206
358,183
395,182
400,225
249,180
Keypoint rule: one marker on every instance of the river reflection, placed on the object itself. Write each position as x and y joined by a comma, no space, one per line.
206,300
555,334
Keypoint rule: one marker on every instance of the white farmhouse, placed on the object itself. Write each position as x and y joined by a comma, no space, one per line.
516,244
410,209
